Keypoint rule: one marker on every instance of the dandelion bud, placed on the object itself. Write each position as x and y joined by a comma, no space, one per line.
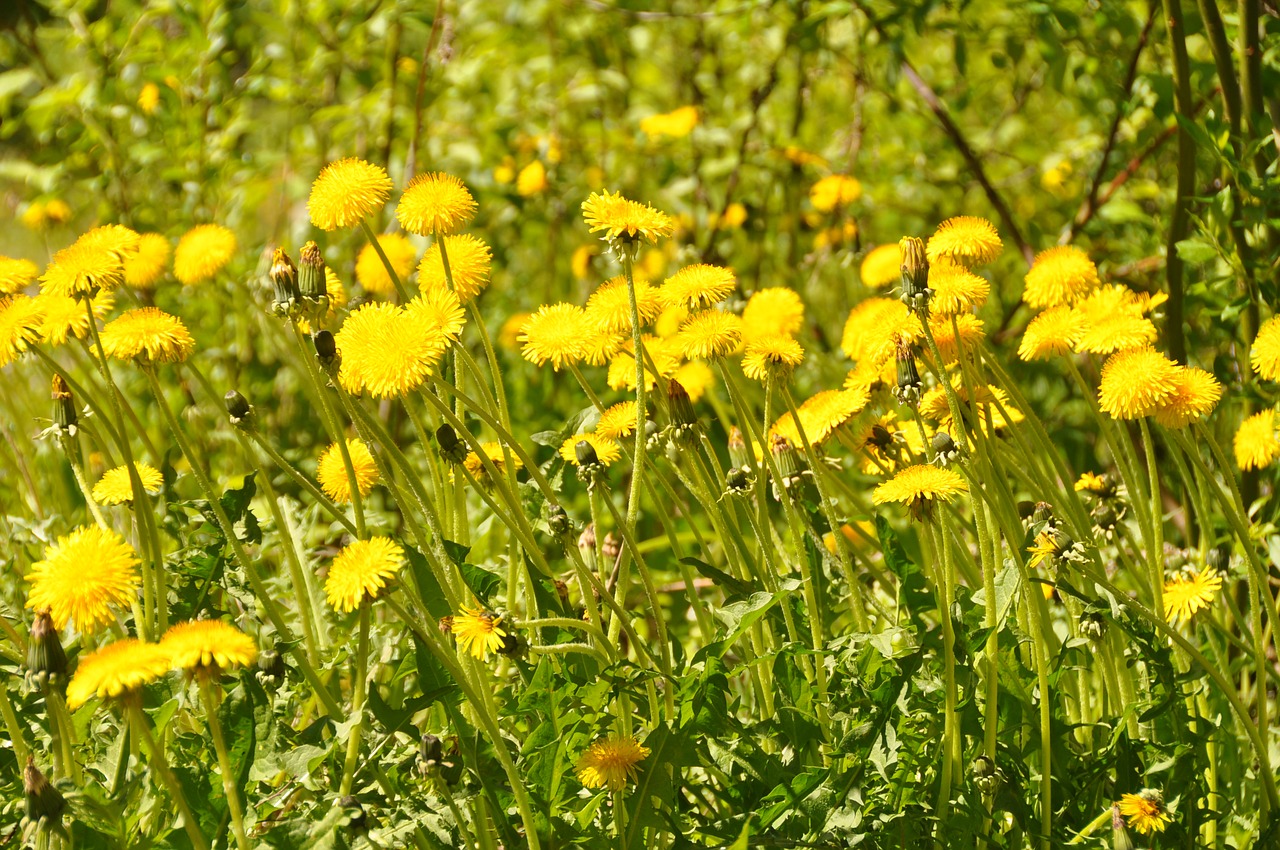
451,766
311,283
64,407
446,625
562,593
680,408
909,387
44,802
513,646
738,449
284,283
944,448
45,656
1043,513
238,408
1093,625
271,669
326,350
431,749
1105,518
586,454
354,815
587,539
736,481
652,434
452,449
1026,509
915,275
784,455
612,547
985,775
558,522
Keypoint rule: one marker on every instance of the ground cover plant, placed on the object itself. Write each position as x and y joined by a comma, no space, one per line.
549,424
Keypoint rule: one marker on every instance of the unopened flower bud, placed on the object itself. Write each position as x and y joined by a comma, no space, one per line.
513,646
1093,625
558,522
985,775
586,454
612,547
944,448
915,275
587,539
356,819
271,667
45,656
311,283
680,408
452,449
736,481
431,749
44,802
284,283
738,449
784,455
326,350
64,406
238,408
562,593
909,387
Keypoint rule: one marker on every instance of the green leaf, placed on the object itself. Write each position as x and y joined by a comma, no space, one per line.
734,586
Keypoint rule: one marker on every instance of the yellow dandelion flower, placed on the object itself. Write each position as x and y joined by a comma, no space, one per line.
208,646
696,377
972,331
83,576
1060,275
1053,332
1136,383
82,267
478,632
675,124
607,450
1256,444
554,335
115,669
834,191
1265,355
147,335
438,311
955,288
874,327
331,471
506,172
609,307
1186,594
347,192
115,488
509,333
988,400
361,571
1144,811
21,324
532,179
832,237
143,269
697,286
388,350
882,266
34,217
771,357
1044,546
610,762
1113,332
16,274
599,346
918,484
735,215
1195,395
1091,482
435,204
580,262
710,334
115,239
776,311
821,416
149,98
623,219
868,376
202,252
64,316
494,451
370,271
799,156
663,355
669,321
966,240
617,421
469,260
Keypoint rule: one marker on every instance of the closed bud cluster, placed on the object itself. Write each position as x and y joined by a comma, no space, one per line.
1092,625
312,291
558,522
589,466
985,775
284,284
736,482
587,539
915,276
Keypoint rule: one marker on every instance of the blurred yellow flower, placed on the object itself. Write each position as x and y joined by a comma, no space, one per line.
143,269
532,179
64,316
696,377
833,192
1265,355
882,266
21,324
1256,444
331,471
147,335
734,216
469,260
775,311
115,487
115,669
16,274
675,124
372,274
149,98
202,252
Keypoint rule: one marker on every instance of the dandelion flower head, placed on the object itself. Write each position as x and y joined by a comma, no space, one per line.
362,570
699,285
83,576
965,240
771,357
1256,444
469,262
1265,355
1060,275
373,275
554,335
144,269
208,646
202,252
116,488
882,266
1195,395
387,350
331,471
1187,593
147,334
610,762
435,204
624,220
609,307
775,311
675,124
833,192
346,192
607,450
116,669
16,274
478,632
21,325
1144,811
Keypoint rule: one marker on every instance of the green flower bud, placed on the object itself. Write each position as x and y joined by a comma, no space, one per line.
284,283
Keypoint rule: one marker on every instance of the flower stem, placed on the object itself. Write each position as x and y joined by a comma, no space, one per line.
382,255
359,688
229,789
155,754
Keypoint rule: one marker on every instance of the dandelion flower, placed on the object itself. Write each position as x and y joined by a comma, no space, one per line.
662,355
955,288
965,240
609,307
607,450
734,216
115,669
438,311
1060,275
617,421
1265,355
771,357
1136,383
1186,594
710,334
675,124
554,335
143,269
1195,394
1144,811
478,632
1115,332
64,316
599,346
623,219
497,456
347,192
147,335
469,260
202,252
1051,333
509,333
115,487
331,471
580,262
821,416
362,570
971,330
83,576
435,204
882,266
776,311
874,328
21,324
610,762
696,377
208,646
149,98
1044,546
1256,444
370,271
387,350
833,192
82,267
920,485
16,274
532,179
699,285
1092,482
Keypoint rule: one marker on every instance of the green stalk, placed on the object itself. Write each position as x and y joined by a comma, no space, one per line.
359,687
1155,544
637,341
305,483
142,730
229,790
377,248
